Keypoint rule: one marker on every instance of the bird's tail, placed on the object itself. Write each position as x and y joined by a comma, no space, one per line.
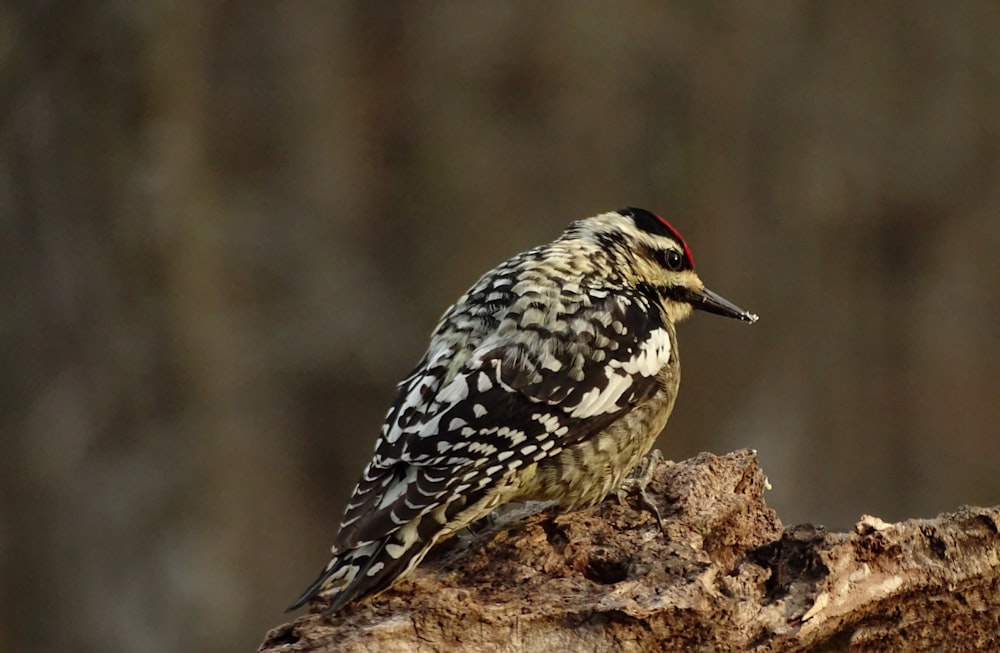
366,570
374,565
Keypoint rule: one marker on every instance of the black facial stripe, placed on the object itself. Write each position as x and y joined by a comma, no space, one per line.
654,224
662,258
670,292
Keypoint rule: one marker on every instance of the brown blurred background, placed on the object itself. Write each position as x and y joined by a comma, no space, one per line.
228,228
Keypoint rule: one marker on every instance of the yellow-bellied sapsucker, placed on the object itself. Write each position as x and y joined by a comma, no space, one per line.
549,379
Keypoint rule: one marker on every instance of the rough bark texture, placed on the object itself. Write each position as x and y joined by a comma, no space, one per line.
726,576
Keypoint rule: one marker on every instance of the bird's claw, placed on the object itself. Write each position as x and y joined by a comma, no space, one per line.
637,482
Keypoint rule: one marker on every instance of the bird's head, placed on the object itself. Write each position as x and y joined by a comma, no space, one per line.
653,254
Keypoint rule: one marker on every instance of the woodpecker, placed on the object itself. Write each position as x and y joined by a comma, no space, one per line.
548,380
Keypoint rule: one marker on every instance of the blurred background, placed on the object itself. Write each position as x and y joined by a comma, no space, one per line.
227,229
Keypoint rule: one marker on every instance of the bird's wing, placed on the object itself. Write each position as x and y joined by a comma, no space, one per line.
527,392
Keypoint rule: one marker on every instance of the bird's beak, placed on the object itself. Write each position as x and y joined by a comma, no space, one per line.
706,300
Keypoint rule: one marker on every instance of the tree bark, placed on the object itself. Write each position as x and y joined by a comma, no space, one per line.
723,575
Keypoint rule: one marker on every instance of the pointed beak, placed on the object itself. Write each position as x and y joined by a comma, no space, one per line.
706,300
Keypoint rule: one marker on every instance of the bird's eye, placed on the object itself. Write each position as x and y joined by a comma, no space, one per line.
672,260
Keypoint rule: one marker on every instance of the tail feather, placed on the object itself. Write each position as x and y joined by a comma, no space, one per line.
377,573
366,570
372,566
334,569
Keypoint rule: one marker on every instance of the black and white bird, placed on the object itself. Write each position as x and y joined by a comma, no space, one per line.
548,380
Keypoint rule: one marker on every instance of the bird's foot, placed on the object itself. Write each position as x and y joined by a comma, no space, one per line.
638,480
483,524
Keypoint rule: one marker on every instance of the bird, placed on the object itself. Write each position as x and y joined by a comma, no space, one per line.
548,380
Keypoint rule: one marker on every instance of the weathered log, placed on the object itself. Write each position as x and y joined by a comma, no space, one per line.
723,575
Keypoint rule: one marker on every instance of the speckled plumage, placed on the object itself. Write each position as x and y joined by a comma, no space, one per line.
548,380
